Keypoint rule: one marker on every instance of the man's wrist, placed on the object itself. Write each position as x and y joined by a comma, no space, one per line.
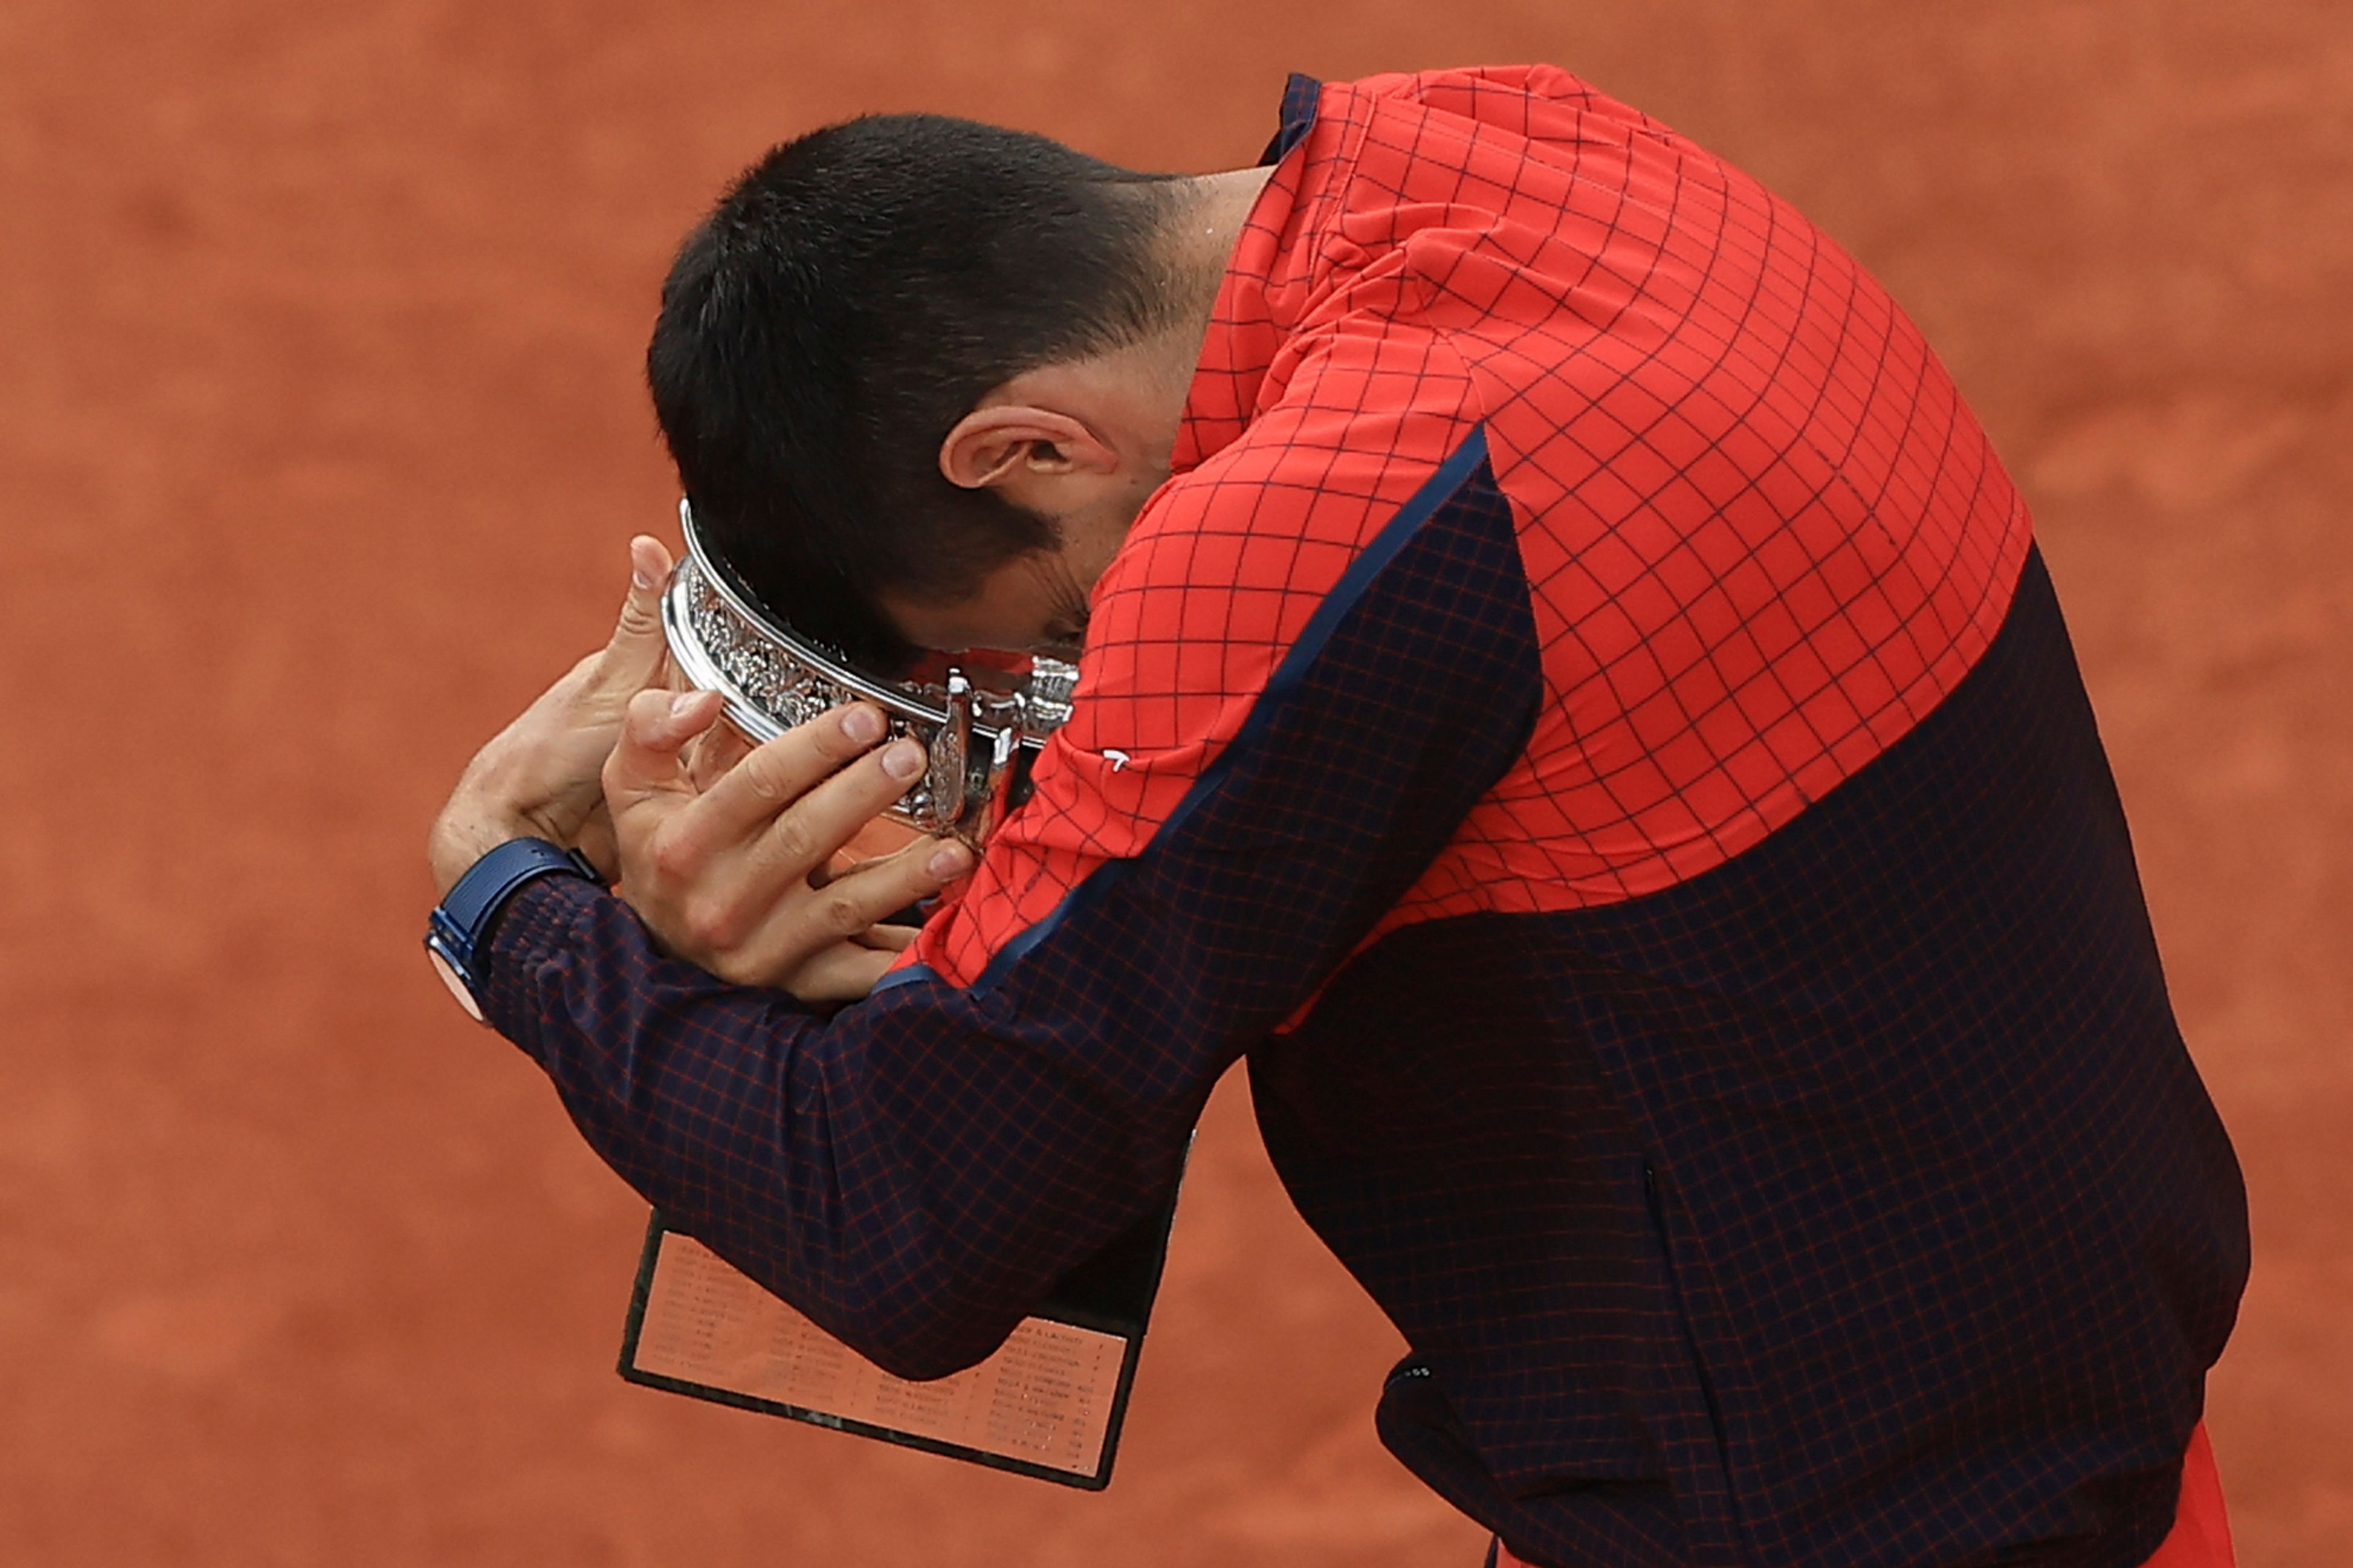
458,932
468,829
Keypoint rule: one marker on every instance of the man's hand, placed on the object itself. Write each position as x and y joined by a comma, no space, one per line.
540,775
736,877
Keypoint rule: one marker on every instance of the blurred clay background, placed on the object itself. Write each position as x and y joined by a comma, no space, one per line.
320,434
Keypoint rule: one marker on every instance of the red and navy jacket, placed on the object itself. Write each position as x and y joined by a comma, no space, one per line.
1587,722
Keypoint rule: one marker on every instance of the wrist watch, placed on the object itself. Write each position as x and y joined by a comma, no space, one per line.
458,923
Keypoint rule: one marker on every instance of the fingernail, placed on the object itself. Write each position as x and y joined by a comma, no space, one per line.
681,703
862,725
642,576
950,859
903,759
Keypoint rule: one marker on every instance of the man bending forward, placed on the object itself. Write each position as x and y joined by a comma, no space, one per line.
1568,694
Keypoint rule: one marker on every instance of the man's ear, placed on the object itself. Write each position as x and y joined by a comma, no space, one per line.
1005,445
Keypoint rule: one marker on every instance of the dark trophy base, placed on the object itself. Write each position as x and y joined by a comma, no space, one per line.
1049,1403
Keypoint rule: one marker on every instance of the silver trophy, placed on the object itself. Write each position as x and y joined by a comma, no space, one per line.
978,724
1050,1403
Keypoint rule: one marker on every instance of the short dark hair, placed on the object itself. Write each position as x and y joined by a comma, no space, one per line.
853,295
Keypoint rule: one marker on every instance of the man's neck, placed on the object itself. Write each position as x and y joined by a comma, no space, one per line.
1198,247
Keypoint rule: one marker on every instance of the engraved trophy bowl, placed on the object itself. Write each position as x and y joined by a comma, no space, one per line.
981,727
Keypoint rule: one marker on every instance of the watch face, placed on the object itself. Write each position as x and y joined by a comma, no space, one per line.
454,982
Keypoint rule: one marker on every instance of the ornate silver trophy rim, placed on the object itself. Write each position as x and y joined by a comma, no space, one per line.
772,678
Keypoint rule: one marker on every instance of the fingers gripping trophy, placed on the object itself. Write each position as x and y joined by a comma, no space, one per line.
981,726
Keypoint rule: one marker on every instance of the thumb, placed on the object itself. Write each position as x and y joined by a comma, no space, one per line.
645,761
634,656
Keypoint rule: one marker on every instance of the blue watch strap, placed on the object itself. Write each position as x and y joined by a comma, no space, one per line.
458,923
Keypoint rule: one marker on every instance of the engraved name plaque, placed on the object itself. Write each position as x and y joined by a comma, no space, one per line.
1048,1403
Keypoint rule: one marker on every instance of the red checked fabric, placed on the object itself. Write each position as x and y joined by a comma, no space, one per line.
1762,534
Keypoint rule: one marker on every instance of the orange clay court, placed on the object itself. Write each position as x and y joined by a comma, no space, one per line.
323,432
